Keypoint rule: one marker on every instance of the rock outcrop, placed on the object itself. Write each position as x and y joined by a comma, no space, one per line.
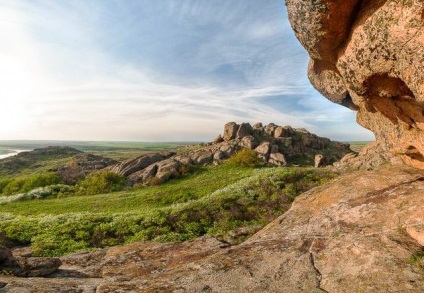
369,57
275,145
362,232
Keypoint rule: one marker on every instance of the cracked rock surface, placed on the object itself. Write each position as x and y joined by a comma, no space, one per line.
368,55
357,233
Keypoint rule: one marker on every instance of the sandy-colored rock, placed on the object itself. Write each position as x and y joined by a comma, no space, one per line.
248,142
277,159
264,148
230,131
244,130
319,161
369,56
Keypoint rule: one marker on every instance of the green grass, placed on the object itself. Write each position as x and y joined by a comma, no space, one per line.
357,146
201,182
209,201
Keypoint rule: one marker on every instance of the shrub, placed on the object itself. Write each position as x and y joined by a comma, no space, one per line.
25,184
101,182
245,158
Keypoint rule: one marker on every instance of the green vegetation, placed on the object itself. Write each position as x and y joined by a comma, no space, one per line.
101,182
21,184
214,201
245,158
417,260
357,146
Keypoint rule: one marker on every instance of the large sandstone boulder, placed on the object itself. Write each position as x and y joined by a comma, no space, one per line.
368,56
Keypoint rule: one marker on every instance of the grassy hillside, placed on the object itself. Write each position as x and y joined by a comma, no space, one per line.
224,201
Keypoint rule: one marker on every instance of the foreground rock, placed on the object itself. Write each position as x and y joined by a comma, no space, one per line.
368,56
358,233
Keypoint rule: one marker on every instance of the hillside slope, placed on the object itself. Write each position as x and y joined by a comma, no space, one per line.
362,232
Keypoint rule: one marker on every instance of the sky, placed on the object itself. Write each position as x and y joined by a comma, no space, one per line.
155,70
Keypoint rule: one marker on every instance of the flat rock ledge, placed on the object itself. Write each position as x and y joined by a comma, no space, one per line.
357,233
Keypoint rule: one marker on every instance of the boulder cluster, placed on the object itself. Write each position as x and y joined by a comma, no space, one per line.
273,144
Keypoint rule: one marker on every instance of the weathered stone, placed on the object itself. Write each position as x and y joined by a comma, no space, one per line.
5,254
264,148
257,126
167,169
277,159
219,156
283,131
270,128
130,166
143,175
320,161
38,266
227,149
369,57
249,142
230,131
185,160
244,130
218,139
370,157
205,158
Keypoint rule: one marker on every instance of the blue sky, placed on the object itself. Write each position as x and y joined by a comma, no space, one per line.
155,70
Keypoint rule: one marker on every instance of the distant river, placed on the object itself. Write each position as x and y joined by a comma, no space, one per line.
5,152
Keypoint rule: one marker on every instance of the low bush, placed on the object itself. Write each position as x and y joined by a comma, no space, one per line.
245,158
28,183
101,182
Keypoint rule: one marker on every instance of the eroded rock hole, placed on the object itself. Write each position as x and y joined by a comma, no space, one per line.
414,154
392,97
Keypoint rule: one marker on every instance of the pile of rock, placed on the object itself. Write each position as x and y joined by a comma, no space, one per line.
275,145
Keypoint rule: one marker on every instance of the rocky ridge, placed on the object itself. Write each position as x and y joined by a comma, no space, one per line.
274,145
369,56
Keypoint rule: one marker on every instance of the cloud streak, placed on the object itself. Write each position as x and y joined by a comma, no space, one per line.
155,70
